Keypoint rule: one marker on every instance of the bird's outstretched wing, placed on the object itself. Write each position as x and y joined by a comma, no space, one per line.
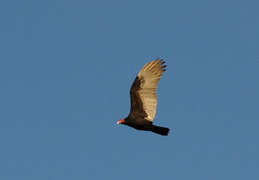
143,90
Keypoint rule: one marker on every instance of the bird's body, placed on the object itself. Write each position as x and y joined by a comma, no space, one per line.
143,99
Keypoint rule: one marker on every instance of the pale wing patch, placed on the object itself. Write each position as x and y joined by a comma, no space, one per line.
150,75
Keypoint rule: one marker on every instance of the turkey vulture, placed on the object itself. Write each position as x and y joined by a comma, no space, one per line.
143,99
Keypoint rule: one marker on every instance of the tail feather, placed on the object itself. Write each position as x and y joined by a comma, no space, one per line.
161,130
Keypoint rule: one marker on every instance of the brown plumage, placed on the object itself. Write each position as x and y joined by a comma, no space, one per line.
143,99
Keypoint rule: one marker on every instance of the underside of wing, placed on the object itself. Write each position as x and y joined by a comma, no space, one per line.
143,90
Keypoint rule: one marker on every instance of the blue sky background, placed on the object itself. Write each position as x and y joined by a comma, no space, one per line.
66,69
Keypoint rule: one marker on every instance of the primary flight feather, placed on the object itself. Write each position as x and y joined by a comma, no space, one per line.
143,99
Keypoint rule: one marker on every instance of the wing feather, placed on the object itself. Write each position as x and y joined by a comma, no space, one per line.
143,90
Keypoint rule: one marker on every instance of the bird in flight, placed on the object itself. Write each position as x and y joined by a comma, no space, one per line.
144,100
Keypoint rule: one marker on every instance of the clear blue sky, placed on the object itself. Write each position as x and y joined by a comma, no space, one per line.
66,69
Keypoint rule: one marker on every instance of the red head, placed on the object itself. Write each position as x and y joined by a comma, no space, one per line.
121,121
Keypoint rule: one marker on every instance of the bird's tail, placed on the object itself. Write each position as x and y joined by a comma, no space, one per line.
161,130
